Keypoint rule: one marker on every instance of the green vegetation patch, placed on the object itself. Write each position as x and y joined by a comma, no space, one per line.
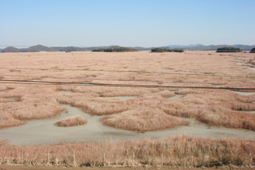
228,49
161,50
115,49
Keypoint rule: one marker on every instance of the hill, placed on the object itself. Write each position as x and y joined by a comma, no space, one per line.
10,49
200,47
36,48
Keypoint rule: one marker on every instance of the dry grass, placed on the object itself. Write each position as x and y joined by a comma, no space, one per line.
149,111
71,121
229,119
113,91
243,106
7,120
180,151
166,93
246,99
142,120
214,107
2,88
30,111
173,69
35,102
96,106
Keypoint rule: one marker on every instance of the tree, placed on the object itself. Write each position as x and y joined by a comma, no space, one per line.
252,50
161,50
228,49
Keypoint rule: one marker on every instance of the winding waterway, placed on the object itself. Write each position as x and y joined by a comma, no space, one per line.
43,132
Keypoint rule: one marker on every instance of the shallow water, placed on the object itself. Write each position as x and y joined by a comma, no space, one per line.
175,97
115,97
5,91
65,92
246,111
86,84
218,86
249,66
243,93
42,132
12,99
240,64
38,132
123,97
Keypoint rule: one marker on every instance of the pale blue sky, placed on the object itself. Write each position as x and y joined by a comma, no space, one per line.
126,22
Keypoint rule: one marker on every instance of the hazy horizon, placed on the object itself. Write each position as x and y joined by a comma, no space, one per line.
126,23
2,47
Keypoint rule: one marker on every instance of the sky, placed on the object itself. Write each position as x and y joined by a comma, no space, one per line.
146,23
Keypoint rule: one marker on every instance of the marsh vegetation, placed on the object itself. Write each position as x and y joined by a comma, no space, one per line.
163,90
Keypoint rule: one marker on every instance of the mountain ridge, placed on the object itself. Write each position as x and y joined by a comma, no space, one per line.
192,47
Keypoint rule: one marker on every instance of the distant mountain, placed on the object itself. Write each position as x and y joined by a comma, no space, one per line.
10,49
199,47
36,48
184,46
244,47
196,47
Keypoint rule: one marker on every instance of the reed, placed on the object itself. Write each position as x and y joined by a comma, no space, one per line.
40,101
229,119
7,120
179,151
142,120
71,121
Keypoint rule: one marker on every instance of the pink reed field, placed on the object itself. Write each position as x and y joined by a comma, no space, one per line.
163,88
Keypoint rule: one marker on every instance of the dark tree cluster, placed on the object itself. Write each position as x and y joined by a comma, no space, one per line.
161,50
252,50
71,48
228,49
115,49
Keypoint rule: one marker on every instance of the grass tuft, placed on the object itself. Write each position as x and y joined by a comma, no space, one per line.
7,120
142,120
71,121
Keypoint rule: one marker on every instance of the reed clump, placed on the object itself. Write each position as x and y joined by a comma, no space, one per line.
7,120
229,119
142,120
71,121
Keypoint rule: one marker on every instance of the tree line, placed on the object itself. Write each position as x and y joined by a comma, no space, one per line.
115,49
161,50
228,49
